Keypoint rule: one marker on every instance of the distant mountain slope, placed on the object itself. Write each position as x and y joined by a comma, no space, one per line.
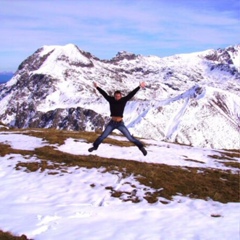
193,98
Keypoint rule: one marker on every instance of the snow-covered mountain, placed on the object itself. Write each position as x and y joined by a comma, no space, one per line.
192,99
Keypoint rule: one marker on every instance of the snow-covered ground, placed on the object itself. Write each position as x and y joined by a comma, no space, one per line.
76,205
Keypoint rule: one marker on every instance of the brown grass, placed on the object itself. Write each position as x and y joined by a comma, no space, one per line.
167,180
228,158
53,136
231,164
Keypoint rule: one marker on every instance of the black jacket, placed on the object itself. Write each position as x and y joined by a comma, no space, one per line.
117,106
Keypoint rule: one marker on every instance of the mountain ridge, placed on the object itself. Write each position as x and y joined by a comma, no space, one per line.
61,77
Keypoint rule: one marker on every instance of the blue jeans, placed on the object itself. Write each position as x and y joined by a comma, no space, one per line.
122,128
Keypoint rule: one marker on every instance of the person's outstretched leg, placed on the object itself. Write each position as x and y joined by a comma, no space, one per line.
109,128
122,128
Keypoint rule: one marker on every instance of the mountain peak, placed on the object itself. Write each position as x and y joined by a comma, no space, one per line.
47,58
124,55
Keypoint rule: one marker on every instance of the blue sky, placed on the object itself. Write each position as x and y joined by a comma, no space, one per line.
105,27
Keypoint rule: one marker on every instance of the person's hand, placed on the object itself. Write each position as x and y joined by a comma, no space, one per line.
142,84
95,84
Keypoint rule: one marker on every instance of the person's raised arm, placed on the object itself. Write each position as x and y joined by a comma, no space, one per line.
133,92
105,95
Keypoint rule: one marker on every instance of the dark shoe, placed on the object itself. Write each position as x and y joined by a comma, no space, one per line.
92,149
143,150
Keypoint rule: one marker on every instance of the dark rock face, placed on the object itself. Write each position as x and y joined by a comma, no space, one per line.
123,55
77,119
222,55
34,61
221,59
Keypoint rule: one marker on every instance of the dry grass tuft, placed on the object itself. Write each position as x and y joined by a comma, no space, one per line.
228,158
231,164
7,149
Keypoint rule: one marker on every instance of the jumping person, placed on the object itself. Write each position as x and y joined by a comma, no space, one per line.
117,105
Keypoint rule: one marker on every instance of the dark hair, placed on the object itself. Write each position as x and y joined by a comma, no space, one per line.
117,92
